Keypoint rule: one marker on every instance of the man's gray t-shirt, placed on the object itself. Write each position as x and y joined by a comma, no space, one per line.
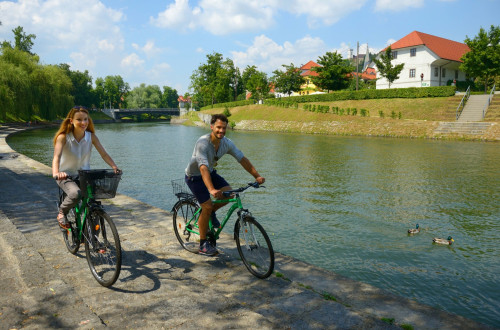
204,154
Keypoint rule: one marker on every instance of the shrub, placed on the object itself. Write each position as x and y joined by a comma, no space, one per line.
393,114
226,112
381,113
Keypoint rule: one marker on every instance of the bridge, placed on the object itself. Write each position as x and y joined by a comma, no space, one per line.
118,114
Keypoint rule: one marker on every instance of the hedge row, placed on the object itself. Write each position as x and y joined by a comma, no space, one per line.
228,104
335,110
365,94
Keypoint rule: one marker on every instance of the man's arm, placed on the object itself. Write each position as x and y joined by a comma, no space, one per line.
207,180
247,165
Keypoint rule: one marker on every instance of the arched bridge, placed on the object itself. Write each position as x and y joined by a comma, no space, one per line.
118,114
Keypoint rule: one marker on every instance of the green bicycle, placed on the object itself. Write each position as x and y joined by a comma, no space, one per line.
91,225
252,241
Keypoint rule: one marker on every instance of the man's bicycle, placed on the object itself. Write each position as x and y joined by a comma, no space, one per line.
91,225
252,241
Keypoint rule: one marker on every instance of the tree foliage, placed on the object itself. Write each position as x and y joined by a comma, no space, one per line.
483,60
215,81
289,80
385,67
22,41
334,73
255,82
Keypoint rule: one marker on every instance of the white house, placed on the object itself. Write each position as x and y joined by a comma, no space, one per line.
428,61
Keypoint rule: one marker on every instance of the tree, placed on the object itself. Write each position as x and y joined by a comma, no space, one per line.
22,41
169,98
255,82
145,96
385,67
82,91
483,60
289,80
333,74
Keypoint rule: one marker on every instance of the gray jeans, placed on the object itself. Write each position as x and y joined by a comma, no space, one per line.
73,195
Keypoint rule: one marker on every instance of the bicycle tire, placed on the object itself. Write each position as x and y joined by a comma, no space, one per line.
254,247
103,251
70,235
182,213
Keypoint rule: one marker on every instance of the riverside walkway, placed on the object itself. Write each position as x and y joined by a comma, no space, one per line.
161,285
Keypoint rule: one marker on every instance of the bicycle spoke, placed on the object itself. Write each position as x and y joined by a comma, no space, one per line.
185,226
103,249
255,248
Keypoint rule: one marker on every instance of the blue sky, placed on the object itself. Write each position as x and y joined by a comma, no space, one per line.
163,42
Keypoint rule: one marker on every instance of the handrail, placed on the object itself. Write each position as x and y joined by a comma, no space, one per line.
488,102
462,103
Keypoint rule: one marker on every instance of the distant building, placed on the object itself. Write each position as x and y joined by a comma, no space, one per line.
308,87
428,61
185,103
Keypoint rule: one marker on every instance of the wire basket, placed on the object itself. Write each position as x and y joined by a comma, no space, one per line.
103,183
181,190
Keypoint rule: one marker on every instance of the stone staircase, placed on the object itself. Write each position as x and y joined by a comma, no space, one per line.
474,107
469,128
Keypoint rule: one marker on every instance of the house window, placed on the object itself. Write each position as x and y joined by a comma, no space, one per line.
444,73
413,52
394,55
436,72
412,73
456,74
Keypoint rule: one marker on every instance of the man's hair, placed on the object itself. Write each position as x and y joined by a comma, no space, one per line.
218,116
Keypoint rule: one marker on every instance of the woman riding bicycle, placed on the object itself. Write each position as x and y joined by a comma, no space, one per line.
72,147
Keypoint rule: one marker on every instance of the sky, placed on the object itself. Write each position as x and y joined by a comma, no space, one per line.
161,42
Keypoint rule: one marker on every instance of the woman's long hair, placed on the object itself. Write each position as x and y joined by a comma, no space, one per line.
66,126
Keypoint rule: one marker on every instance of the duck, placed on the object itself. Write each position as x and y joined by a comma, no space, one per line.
415,230
447,241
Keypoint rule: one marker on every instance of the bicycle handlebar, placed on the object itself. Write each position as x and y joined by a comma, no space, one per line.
255,185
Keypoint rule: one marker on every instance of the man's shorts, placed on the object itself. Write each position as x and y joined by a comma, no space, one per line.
198,188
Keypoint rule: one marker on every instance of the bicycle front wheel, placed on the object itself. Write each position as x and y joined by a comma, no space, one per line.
102,248
186,226
71,235
254,247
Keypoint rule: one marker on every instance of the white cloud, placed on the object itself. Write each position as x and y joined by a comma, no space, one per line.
268,55
397,5
132,61
221,17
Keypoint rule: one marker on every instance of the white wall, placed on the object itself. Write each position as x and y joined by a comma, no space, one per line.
424,62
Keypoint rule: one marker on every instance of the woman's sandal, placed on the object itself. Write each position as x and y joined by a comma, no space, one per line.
63,222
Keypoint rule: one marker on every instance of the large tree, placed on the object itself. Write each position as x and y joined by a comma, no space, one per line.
169,98
385,67
483,60
289,80
22,41
333,72
255,82
82,90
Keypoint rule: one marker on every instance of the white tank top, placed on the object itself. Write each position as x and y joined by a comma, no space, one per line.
76,155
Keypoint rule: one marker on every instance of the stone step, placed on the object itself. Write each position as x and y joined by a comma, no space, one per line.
471,128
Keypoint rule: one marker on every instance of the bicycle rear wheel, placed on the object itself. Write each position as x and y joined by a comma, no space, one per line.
185,226
254,247
71,235
102,248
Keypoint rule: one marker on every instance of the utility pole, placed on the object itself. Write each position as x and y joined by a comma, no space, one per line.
357,65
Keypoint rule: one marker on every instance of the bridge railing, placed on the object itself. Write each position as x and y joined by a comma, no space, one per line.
461,106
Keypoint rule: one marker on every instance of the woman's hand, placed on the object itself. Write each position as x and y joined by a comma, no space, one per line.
117,170
60,176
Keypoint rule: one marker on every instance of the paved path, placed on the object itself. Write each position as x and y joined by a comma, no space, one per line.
161,285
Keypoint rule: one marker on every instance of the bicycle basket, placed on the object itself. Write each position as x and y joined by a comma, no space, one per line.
181,190
103,183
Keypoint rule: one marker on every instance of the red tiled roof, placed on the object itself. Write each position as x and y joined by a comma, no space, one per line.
309,73
444,48
182,99
309,65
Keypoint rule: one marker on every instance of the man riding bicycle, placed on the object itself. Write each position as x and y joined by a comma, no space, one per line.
203,180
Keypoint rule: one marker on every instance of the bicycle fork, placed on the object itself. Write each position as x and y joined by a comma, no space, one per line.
247,230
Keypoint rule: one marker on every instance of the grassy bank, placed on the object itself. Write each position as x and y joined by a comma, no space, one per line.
414,118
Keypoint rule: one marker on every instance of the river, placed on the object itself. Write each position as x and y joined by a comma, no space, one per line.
343,203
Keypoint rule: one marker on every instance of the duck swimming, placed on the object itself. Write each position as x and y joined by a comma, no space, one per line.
447,241
414,230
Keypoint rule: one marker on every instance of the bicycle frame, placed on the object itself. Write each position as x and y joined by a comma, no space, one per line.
82,209
236,205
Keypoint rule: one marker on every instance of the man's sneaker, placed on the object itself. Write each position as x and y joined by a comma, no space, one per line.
215,221
207,249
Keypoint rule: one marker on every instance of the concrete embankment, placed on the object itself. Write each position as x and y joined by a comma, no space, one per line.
161,285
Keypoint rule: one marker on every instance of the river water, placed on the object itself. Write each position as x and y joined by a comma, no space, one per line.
343,203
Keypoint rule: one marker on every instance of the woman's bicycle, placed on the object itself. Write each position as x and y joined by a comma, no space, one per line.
91,225
252,241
